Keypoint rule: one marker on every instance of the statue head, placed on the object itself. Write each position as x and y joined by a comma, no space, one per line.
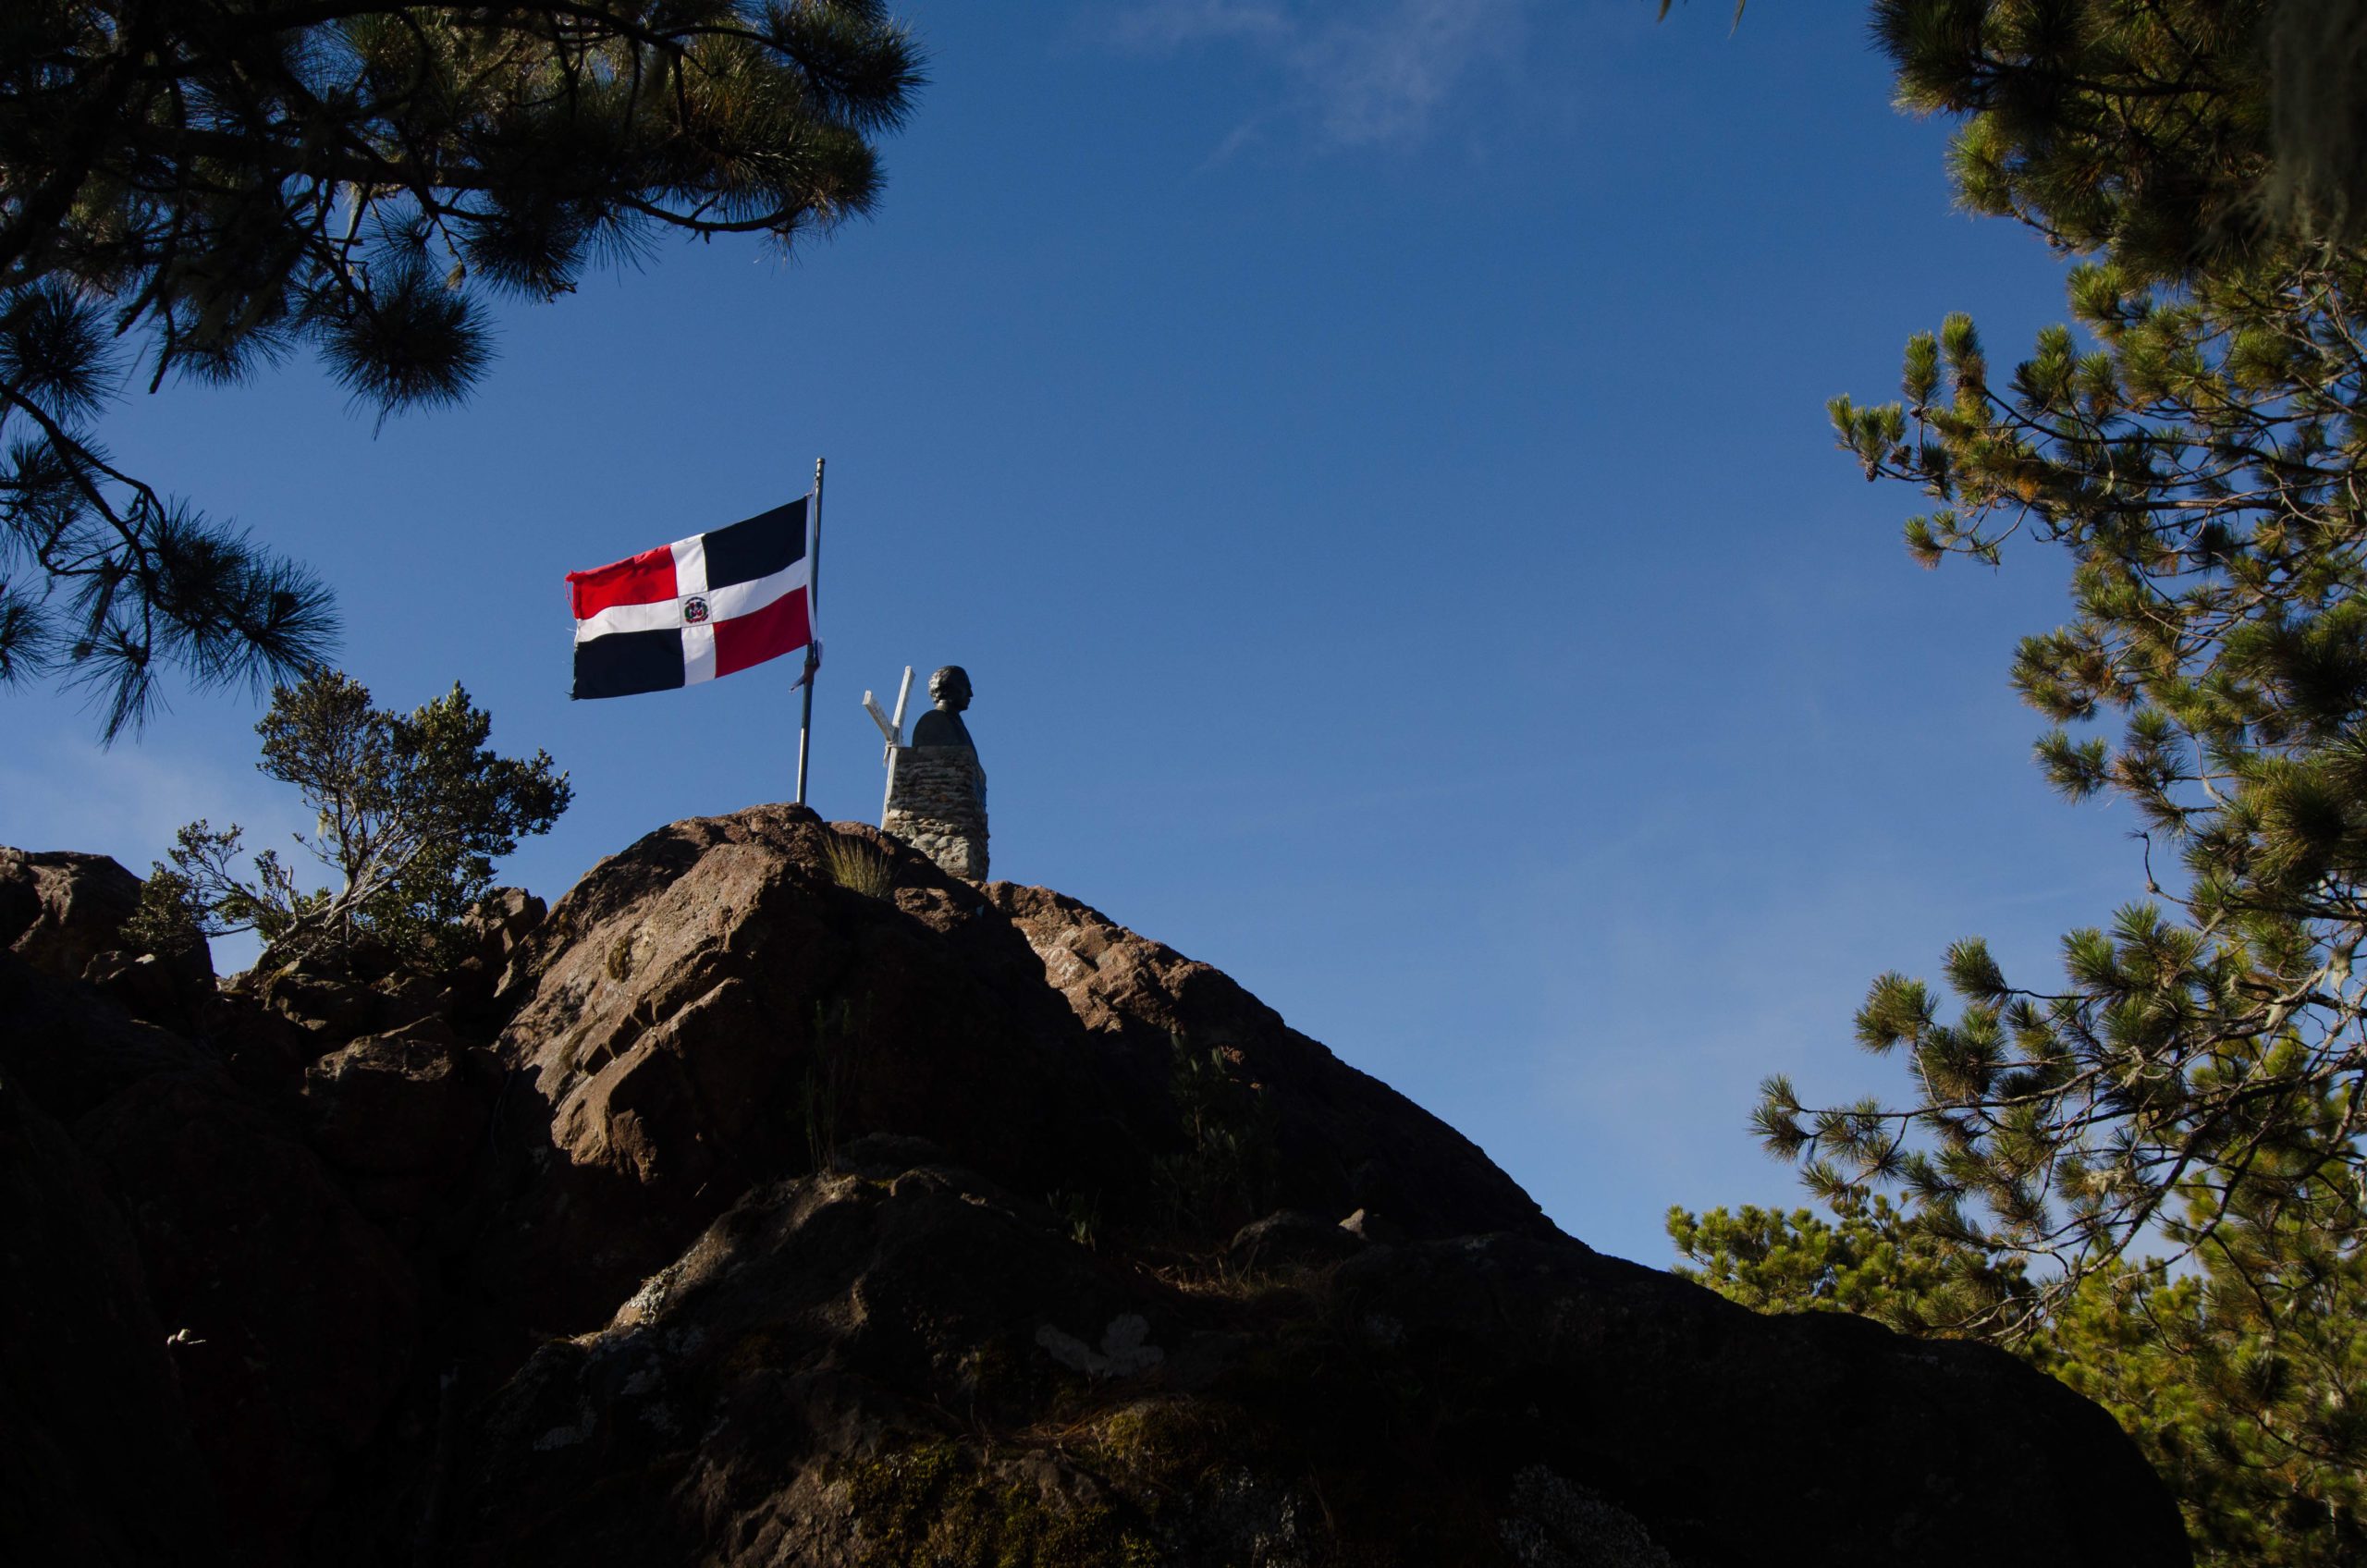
950,688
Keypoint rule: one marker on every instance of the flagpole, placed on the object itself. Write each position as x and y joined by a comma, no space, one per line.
813,612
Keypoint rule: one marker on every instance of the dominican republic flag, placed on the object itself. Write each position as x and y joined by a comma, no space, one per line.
694,609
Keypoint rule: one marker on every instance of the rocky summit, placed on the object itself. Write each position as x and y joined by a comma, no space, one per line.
776,1199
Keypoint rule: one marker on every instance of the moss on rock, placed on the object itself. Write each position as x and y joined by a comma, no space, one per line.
935,1506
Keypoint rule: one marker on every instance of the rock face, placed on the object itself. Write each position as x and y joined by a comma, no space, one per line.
60,910
401,1115
730,1216
297,1318
847,1370
97,1464
1344,1140
709,1010
62,914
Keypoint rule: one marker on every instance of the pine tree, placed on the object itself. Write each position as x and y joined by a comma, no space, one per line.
2149,1176
1870,1260
2241,1380
2176,135
2200,462
2194,442
199,188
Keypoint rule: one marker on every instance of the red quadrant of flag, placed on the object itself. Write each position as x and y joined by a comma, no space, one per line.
779,628
642,579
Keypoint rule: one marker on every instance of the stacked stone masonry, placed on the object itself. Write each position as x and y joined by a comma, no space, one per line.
936,803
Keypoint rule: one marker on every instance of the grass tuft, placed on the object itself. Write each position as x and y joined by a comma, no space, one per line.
860,865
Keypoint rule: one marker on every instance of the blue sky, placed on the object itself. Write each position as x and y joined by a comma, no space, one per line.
1370,458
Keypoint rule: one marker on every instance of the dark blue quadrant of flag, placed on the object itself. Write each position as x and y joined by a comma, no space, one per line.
766,544
625,664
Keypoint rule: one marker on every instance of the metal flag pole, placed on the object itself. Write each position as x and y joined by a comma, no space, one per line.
813,619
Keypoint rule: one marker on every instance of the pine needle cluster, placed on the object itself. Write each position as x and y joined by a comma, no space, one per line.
202,190
2177,135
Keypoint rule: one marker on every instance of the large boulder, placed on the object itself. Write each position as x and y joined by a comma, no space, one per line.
710,1010
62,914
318,993
1343,1140
900,1221
59,909
174,991
292,1319
71,1048
847,1370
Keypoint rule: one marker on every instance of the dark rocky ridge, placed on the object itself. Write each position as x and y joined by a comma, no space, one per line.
728,1216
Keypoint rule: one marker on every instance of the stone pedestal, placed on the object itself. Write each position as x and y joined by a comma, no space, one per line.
936,803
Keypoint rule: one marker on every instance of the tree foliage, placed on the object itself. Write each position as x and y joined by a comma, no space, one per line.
2148,1175
2198,456
2179,136
202,189
2140,127
2200,462
411,809
2241,1380
1867,1260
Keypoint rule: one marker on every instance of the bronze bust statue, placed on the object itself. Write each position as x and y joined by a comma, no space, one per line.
942,725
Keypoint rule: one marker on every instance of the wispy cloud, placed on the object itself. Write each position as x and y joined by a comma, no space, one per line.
1365,72
1166,23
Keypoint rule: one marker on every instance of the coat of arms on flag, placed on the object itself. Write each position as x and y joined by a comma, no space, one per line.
694,609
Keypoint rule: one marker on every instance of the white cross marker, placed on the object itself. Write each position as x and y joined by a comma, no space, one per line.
892,729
